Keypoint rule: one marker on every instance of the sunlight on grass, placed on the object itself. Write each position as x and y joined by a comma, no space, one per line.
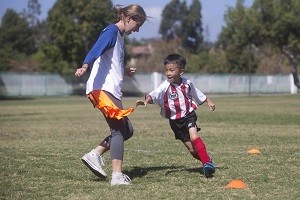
43,140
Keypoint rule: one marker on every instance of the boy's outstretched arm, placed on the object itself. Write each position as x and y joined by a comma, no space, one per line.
148,100
210,104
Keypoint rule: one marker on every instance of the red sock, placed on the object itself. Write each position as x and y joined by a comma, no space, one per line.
199,147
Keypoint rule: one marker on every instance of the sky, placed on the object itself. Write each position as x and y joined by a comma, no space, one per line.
212,14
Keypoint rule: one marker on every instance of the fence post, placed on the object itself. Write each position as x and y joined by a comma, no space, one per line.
293,87
156,79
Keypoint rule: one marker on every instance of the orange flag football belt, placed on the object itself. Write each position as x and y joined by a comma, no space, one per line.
100,100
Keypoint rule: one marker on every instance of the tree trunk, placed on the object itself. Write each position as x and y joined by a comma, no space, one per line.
293,61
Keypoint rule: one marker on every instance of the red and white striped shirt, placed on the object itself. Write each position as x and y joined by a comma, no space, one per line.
177,101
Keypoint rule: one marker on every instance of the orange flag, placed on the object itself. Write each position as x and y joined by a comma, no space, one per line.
107,107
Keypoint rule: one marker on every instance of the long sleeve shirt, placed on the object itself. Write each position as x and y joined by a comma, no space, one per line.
107,60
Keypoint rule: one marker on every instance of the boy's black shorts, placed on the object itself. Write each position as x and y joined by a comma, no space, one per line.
181,126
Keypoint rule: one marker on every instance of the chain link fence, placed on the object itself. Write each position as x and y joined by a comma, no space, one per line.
40,84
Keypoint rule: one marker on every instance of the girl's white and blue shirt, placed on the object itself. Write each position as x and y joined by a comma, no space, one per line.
107,60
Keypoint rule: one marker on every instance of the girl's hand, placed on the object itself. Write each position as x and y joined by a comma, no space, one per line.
81,71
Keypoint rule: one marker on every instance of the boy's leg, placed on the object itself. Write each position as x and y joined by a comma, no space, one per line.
190,148
199,147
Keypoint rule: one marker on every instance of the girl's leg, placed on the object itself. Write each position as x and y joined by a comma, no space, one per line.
103,146
121,130
117,153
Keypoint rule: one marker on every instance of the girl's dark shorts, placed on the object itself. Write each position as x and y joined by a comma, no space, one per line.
181,126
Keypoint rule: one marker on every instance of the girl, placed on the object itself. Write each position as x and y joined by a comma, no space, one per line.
103,88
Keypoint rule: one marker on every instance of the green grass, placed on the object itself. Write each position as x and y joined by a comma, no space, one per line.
42,141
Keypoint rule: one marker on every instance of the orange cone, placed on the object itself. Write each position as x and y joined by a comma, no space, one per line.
254,151
237,184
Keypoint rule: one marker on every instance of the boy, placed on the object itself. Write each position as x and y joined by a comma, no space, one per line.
176,98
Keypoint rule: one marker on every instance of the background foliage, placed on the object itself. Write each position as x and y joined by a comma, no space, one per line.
263,38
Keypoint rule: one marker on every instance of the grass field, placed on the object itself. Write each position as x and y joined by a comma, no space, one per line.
42,141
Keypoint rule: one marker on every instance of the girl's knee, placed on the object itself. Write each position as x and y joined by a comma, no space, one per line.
128,135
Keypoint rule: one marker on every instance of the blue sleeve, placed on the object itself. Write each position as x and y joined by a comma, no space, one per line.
106,40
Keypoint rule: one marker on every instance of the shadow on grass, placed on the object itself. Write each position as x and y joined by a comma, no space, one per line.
23,114
138,172
98,179
200,170
16,98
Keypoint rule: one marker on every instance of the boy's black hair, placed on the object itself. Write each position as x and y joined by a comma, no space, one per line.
175,59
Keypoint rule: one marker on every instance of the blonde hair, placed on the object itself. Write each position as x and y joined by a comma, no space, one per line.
134,11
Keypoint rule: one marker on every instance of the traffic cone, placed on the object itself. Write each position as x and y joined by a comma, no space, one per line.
254,151
236,184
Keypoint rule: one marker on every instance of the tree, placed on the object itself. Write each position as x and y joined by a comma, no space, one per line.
191,29
274,23
75,25
172,17
15,38
241,32
281,28
179,21
15,32
32,12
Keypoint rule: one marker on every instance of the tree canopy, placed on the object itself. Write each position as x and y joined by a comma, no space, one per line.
75,25
15,38
273,23
180,21
60,42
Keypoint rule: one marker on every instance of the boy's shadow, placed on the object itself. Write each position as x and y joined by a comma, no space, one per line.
138,172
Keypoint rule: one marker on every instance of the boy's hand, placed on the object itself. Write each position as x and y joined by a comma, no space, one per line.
140,102
212,106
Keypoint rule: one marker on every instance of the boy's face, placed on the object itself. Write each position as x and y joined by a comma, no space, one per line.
173,72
